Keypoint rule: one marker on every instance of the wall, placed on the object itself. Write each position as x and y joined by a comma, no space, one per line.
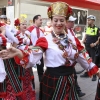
10,14
3,3
29,10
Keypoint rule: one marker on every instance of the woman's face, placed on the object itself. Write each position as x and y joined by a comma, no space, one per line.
23,26
58,24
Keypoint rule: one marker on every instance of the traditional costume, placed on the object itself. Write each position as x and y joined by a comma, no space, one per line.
60,54
26,75
3,42
35,34
19,83
11,87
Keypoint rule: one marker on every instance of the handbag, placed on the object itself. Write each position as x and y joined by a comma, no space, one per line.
97,55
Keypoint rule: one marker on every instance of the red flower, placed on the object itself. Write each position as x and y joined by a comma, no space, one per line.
49,9
69,11
49,12
17,22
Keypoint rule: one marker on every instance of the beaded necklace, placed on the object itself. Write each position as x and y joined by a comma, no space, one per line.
58,39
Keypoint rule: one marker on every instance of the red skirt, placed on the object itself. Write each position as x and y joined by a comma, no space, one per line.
19,84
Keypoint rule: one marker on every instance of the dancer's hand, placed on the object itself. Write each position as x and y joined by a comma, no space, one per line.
10,53
30,47
92,45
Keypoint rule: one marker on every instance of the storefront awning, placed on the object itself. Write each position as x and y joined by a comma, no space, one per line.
94,1
90,4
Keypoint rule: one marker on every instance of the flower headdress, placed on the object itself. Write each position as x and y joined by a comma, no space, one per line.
17,22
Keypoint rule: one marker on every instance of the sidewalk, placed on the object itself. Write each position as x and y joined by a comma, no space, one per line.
87,86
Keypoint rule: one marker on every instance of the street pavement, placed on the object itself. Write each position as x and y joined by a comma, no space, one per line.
87,86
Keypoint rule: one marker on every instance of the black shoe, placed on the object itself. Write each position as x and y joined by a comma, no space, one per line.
84,75
80,94
94,78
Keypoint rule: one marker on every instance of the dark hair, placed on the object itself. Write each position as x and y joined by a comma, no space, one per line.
35,18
